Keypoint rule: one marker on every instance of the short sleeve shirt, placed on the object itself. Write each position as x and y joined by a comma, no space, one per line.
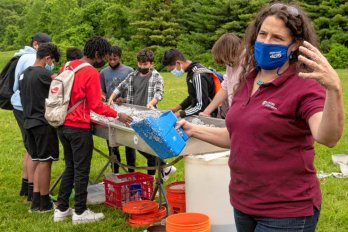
35,85
272,152
111,78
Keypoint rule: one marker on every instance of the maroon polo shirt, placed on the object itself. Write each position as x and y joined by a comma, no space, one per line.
272,152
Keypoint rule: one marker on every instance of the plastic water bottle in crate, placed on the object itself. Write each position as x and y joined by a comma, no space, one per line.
120,189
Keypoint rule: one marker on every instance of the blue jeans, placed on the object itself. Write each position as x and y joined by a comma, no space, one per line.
250,223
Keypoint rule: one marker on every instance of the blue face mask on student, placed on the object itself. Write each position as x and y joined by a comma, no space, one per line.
178,73
49,67
271,56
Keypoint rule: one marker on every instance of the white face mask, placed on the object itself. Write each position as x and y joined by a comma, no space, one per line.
178,73
49,67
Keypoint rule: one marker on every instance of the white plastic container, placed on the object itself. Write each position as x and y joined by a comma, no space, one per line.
96,194
206,186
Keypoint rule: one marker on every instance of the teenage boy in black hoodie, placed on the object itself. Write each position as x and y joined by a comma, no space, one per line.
200,84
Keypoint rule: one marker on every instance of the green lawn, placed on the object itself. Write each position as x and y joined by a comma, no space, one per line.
14,214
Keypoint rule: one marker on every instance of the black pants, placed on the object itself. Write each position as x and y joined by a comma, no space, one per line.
78,149
130,157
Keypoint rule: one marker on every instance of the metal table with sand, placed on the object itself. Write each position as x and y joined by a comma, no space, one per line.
119,134
213,157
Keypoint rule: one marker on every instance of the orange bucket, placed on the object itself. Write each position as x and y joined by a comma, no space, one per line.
185,222
140,207
176,197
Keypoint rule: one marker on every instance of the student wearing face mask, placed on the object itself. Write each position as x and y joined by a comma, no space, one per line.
28,57
144,88
200,84
287,98
110,78
42,140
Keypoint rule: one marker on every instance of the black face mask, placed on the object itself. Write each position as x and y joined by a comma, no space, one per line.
144,70
114,67
99,65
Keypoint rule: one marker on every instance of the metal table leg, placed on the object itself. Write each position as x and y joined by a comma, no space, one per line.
162,196
54,185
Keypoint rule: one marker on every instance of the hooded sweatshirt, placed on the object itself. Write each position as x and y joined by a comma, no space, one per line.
28,57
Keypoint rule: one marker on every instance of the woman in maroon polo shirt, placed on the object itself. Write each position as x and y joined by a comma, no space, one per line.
289,97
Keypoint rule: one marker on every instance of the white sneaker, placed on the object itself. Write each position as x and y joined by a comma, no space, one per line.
86,217
167,172
62,215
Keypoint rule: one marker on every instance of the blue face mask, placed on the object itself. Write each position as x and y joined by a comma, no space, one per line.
178,73
271,56
49,67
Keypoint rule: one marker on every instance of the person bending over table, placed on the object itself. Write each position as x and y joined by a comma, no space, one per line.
144,87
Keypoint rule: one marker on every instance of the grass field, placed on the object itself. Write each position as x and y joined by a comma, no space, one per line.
14,214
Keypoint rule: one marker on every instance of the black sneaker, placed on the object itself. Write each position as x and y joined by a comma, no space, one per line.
23,193
48,208
34,210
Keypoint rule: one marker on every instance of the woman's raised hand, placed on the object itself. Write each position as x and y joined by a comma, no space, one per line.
322,71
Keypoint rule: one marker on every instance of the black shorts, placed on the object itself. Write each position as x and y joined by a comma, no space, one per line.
20,121
43,143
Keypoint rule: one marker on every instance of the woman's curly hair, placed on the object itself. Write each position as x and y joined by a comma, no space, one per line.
294,18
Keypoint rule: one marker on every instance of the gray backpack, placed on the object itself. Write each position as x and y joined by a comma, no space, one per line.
56,105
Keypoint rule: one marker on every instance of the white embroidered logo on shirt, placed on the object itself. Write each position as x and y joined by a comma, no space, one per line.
270,105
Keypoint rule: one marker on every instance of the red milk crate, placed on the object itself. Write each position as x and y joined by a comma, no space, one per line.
120,189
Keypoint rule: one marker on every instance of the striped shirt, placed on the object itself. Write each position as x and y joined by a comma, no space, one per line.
155,87
200,87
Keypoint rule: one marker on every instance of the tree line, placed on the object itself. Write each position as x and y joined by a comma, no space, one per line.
191,26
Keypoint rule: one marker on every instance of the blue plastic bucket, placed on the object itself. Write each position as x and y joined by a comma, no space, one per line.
160,134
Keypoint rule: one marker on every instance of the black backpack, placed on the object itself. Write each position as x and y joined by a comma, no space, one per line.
7,78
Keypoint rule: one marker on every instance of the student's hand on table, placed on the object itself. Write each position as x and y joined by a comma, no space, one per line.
150,106
322,71
103,98
174,109
125,118
120,100
204,114
110,102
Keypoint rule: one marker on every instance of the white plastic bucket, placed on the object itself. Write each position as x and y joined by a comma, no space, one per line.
206,186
